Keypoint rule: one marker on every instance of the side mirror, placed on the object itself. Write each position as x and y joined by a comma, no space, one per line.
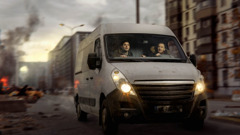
193,59
93,61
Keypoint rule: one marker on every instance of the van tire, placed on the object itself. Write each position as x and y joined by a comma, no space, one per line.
196,121
194,124
108,125
81,115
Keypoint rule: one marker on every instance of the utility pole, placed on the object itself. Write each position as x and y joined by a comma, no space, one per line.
137,11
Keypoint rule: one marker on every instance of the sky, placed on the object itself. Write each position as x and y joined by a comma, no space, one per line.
32,26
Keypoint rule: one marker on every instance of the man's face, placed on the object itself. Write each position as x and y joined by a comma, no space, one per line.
126,46
161,48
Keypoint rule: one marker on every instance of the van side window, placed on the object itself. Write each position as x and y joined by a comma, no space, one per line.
97,50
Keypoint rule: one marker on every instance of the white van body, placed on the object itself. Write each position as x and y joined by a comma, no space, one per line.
153,83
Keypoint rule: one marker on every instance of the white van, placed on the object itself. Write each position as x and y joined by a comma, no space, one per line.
142,82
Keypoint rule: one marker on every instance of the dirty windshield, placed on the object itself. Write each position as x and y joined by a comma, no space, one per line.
143,47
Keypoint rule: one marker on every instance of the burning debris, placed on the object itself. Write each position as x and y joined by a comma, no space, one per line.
4,81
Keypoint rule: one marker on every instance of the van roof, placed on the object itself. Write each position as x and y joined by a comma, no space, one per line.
114,28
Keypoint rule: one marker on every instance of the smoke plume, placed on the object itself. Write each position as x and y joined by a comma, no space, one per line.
14,38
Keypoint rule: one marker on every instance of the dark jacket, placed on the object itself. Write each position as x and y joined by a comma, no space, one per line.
119,52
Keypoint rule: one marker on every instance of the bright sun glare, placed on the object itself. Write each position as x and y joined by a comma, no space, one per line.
24,69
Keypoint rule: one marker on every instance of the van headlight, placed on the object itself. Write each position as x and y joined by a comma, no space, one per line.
199,87
122,83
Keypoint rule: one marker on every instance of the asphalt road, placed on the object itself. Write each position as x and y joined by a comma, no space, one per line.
55,115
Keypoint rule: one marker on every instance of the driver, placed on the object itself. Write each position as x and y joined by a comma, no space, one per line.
123,51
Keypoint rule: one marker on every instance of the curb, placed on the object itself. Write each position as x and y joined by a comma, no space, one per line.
226,119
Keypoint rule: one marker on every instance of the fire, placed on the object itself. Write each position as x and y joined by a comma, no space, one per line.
76,83
4,80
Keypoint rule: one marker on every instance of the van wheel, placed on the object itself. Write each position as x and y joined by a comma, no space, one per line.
108,125
196,121
194,124
81,115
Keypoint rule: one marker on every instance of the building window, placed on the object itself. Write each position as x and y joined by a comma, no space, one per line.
194,13
187,31
187,6
235,14
194,28
173,19
236,33
224,18
205,23
175,4
224,58
224,37
236,57
237,74
223,3
187,47
187,14
195,44
225,78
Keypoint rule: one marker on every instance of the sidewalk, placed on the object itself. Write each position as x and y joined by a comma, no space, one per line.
224,109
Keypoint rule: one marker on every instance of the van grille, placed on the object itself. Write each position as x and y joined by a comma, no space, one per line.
159,94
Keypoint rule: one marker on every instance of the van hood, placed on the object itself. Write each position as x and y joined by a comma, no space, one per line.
134,71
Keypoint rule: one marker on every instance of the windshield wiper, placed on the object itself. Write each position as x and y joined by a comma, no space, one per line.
169,60
128,60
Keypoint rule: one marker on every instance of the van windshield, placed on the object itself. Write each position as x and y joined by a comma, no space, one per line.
143,47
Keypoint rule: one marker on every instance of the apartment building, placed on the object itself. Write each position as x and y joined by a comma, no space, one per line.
62,60
174,17
189,26
228,45
210,29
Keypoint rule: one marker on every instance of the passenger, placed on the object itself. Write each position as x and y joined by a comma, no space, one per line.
123,51
173,49
151,53
161,49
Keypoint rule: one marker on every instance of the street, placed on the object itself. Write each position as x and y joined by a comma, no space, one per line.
55,115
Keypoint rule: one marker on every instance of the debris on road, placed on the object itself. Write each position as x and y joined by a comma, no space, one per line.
11,123
12,104
236,95
227,116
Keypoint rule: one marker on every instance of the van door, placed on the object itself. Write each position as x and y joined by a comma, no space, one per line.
82,76
95,80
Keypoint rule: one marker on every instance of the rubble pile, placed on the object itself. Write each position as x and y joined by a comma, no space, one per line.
12,123
12,104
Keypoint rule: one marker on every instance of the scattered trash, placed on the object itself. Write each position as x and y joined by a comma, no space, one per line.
225,113
236,95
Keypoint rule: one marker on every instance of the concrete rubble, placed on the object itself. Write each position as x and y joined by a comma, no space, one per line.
12,123
12,104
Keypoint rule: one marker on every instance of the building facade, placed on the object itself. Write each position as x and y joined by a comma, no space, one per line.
62,61
228,45
210,29
189,26
34,74
174,17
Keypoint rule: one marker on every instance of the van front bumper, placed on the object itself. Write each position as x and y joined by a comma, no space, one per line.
132,109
